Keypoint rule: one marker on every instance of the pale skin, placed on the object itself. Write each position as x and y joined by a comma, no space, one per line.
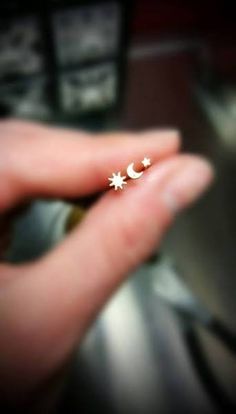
47,306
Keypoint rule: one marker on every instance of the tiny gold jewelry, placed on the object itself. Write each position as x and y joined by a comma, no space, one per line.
132,173
146,162
118,181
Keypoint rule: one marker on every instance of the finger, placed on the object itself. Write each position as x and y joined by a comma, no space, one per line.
56,299
51,162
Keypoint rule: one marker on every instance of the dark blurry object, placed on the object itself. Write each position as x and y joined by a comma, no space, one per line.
26,98
20,46
63,60
87,33
91,88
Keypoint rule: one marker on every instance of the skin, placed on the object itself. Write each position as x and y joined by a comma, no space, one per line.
47,306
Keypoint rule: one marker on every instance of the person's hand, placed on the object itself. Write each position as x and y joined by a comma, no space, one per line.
47,306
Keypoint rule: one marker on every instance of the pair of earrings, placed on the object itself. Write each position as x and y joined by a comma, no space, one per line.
117,181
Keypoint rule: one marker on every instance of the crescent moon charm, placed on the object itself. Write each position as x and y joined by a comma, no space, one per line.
132,173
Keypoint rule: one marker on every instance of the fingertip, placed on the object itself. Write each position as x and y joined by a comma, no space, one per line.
187,183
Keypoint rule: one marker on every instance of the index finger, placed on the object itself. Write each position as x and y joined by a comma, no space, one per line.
50,162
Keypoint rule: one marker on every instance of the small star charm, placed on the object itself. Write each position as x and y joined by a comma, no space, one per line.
146,162
117,181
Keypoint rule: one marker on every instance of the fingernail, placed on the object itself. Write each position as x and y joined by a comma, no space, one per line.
167,137
187,184
166,131
162,133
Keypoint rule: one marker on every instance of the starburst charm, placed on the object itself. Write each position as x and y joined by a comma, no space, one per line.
117,181
146,162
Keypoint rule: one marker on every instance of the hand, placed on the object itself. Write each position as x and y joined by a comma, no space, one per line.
47,306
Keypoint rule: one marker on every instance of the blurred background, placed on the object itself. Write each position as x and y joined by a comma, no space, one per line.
166,342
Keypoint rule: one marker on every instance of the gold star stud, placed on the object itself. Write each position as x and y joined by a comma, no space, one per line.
146,162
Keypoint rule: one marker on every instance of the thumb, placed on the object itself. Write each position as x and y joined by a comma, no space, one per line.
57,298
123,229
